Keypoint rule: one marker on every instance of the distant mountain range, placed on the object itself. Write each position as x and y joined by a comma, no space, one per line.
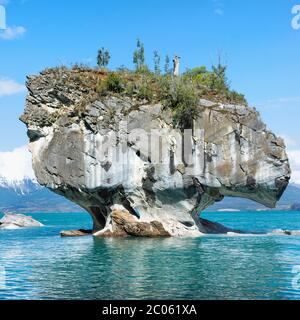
28,196
289,201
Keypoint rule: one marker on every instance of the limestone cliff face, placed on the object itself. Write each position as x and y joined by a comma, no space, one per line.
98,156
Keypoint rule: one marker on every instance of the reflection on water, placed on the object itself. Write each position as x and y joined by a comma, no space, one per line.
41,265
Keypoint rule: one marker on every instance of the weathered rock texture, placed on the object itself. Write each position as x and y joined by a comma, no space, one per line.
121,223
16,221
233,154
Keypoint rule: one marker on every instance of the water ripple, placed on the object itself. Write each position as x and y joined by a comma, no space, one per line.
41,265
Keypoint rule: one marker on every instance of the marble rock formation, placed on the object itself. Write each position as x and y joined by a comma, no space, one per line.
99,158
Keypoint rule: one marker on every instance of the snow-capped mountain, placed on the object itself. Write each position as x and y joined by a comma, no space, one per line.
20,187
295,185
19,190
27,195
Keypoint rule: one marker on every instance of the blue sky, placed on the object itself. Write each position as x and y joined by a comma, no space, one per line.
255,37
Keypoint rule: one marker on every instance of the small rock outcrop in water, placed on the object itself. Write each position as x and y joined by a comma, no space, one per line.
16,221
280,232
77,146
76,233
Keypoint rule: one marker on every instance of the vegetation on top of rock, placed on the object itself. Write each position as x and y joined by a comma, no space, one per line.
180,94
103,58
167,65
139,56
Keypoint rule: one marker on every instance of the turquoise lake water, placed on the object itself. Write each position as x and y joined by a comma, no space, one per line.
39,264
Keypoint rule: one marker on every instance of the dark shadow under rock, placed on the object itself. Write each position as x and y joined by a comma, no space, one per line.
76,233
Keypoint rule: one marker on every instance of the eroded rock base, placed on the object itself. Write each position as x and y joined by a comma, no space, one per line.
121,224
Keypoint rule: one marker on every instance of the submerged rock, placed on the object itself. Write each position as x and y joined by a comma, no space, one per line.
16,221
76,233
98,157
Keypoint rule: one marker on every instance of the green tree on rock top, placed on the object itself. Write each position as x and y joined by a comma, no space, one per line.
103,58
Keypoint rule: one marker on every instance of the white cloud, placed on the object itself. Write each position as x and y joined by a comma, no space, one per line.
218,7
289,141
219,11
287,102
294,157
16,165
9,87
11,33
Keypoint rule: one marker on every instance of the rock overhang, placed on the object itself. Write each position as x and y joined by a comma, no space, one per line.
233,154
